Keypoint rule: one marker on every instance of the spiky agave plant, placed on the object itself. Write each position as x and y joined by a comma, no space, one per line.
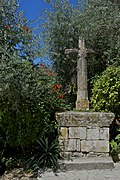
46,154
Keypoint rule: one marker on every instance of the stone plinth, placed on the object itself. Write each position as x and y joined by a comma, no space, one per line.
84,133
82,104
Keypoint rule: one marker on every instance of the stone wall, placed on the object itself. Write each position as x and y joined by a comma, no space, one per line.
84,133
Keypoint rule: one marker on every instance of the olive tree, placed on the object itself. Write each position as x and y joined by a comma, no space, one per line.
98,23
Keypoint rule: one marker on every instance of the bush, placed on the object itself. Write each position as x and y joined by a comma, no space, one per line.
29,98
115,144
29,95
106,91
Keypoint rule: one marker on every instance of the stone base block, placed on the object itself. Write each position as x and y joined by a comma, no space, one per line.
87,164
82,104
84,133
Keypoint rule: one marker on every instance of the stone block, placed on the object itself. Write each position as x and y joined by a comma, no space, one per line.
101,146
86,146
63,145
78,145
93,133
76,154
94,119
63,133
72,146
77,132
97,154
104,133
82,104
66,155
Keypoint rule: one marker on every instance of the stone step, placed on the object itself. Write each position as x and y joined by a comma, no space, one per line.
87,163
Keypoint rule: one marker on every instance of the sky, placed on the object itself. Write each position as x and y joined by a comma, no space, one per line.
33,8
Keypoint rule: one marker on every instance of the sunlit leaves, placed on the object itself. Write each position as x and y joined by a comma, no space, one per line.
106,91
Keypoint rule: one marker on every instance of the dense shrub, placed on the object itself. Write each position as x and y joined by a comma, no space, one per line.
29,95
29,98
106,91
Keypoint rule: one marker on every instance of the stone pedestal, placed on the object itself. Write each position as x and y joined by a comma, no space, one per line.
82,104
84,133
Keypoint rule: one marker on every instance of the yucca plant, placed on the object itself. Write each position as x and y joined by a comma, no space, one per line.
45,154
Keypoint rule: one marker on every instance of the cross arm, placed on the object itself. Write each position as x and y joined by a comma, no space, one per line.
71,51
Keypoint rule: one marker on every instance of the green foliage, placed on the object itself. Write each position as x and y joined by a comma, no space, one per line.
2,140
101,28
16,34
29,98
46,153
29,94
98,23
115,143
58,35
106,91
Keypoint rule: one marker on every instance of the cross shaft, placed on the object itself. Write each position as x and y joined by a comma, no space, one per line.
82,102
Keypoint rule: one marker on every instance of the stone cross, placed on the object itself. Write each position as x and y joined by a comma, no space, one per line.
82,102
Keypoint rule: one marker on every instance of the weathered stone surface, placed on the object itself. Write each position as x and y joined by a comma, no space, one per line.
64,119
77,132
76,119
101,146
82,104
98,154
63,133
84,132
76,154
93,133
95,146
104,133
72,145
90,163
78,145
63,145
86,146
82,92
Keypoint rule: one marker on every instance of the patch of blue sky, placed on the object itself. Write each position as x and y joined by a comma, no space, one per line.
45,60
34,11
33,8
